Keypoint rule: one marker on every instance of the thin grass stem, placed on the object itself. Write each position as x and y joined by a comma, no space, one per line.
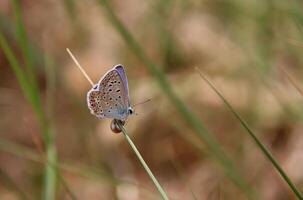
149,172
264,150
30,90
50,93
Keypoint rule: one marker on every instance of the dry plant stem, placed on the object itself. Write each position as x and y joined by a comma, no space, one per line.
149,172
79,66
264,150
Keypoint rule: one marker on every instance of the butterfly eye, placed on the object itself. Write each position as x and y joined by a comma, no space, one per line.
130,111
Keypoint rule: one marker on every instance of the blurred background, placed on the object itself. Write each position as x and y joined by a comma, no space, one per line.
251,50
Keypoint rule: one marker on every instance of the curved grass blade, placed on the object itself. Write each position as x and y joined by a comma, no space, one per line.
264,150
32,94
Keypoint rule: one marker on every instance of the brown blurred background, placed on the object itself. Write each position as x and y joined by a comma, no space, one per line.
251,50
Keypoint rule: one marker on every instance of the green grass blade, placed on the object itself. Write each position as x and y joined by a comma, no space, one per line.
264,150
11,184
23,42
70,9
9,30
32,94
215,150
29,92
50,72
149,172
16,68
50,180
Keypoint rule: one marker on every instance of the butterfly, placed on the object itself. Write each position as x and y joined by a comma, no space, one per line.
109,98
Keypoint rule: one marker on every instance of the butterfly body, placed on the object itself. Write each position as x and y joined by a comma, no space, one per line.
110,97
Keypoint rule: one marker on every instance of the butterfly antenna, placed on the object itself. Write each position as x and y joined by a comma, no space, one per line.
140,103
143,102
79,66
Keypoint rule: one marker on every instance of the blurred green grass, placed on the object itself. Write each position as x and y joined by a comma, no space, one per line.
259,30
187,115
28,83
254,137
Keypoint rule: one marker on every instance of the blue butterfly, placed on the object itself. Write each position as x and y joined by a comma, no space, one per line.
110,97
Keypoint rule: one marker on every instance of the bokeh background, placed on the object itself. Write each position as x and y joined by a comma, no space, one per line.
251,50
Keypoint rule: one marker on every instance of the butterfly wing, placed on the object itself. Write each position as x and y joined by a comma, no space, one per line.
94,102
108,99
122,74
